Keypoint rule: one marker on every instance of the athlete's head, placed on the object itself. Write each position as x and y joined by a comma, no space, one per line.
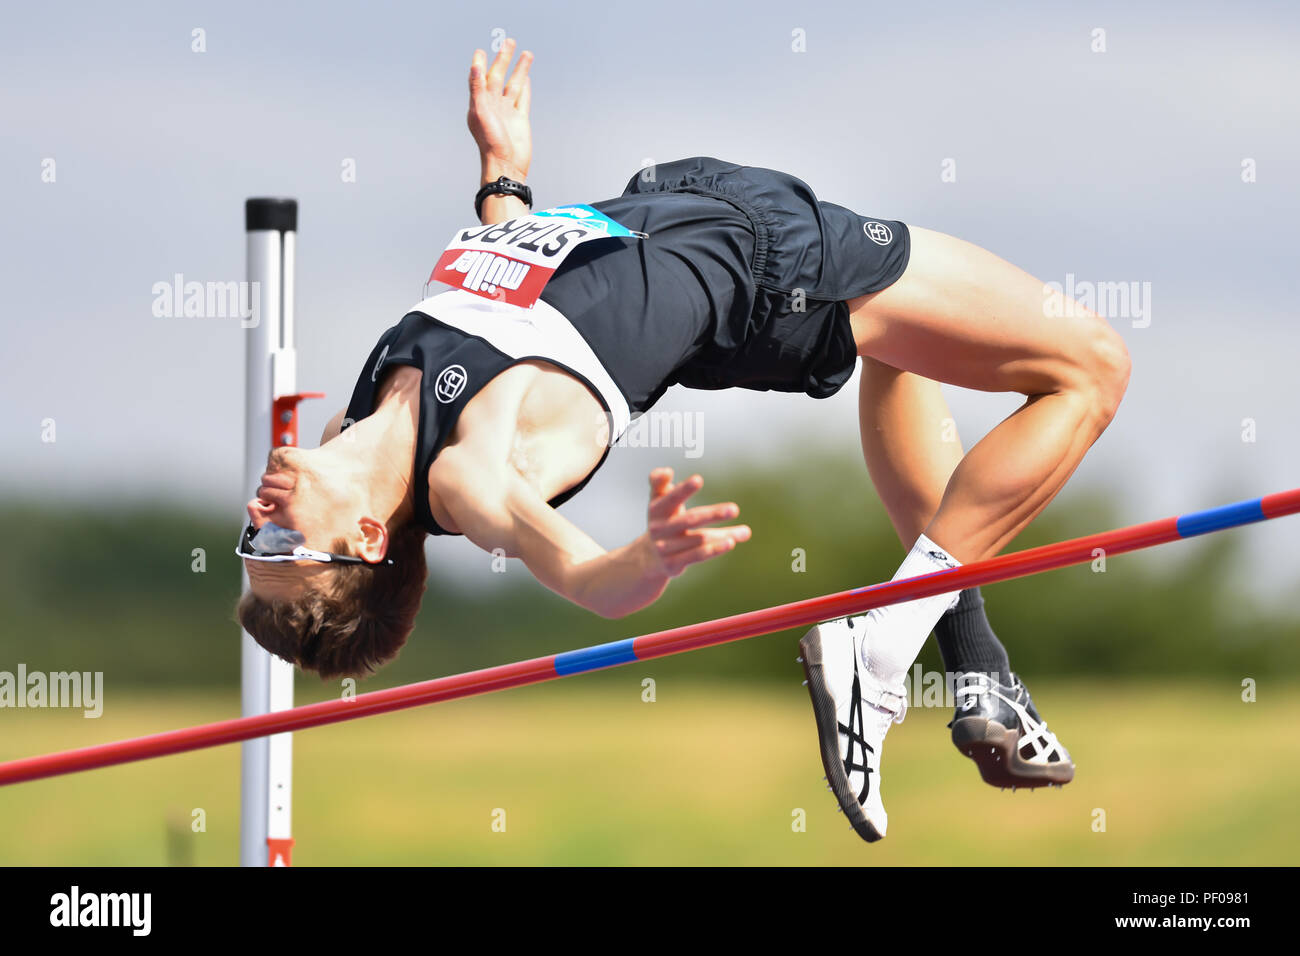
335,618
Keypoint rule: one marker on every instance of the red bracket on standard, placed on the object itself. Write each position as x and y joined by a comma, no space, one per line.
284,418
278,851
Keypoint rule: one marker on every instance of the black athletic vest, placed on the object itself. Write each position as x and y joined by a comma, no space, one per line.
455,368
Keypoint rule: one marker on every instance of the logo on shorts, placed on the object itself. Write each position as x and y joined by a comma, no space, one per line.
451,382
878,232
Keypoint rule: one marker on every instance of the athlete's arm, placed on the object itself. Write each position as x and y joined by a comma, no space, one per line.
508,513
498,121
624,580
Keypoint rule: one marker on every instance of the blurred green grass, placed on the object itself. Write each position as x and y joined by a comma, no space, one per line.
710,773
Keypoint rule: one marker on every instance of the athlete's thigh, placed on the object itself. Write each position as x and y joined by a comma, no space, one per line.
961,315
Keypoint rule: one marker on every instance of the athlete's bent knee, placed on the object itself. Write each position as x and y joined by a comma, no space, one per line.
1108,370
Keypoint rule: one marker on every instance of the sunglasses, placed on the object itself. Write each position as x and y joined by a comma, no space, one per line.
273,543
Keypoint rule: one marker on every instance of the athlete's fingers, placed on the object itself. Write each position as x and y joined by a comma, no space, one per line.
525,96
711,548
672,499
695,518
496,76
736,532
476,67
672,547
518,76
661,480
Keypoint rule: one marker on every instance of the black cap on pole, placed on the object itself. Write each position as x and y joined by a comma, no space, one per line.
278,214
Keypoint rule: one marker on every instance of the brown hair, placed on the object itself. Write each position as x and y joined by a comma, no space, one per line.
354,624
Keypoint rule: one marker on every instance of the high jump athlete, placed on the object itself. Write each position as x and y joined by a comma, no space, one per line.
479,416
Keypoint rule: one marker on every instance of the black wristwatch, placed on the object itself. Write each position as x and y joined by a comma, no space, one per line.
505,187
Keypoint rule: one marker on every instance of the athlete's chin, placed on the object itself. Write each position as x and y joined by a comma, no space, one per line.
282,463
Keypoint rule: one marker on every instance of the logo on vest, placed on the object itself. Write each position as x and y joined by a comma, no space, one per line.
878,232
379,363
451,382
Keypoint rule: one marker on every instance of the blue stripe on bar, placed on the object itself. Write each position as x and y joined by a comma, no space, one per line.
1227,516
594,658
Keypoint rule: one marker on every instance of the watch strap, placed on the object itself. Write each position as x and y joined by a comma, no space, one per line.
502,186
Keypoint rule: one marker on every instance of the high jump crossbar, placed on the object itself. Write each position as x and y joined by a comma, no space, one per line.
676,640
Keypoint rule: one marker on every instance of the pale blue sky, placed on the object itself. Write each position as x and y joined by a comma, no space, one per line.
1115,166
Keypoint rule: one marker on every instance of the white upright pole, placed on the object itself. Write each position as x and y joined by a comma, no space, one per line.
266,681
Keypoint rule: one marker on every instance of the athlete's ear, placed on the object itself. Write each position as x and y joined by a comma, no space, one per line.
374,539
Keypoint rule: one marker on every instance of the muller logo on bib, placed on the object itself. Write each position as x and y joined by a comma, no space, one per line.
451,382
510,262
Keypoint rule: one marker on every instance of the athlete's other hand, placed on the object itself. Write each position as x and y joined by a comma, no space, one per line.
676,534
498,112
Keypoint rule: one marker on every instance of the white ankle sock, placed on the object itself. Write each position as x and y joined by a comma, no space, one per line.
896,633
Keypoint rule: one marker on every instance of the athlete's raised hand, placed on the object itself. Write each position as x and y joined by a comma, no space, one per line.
498,112
677,535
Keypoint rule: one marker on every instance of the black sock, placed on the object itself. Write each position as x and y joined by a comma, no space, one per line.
967,642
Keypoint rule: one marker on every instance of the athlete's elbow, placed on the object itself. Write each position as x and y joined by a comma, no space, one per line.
604,606
622,602
616,612
610,606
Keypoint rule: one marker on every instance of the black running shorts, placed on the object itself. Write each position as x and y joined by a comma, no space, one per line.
743,282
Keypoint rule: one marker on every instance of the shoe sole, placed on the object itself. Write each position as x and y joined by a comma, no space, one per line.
828,737
995,750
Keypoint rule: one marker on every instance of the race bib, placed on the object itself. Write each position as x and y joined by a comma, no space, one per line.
513,260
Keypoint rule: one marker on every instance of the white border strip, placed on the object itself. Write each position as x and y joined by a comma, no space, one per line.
540,331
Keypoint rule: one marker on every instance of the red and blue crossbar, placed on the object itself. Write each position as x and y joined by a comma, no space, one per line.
676,640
